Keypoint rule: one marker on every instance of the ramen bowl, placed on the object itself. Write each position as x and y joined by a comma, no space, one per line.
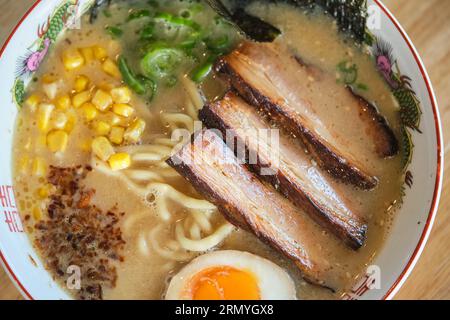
23,52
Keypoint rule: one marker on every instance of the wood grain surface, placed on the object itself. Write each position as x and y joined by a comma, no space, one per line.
428,25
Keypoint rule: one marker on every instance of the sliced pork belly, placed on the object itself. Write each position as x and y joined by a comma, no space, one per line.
212,168
283,162
332,122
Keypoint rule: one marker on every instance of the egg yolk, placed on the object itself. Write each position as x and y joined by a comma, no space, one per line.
224,283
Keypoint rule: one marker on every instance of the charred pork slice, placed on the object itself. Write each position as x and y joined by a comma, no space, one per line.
329,119
215,172
283,162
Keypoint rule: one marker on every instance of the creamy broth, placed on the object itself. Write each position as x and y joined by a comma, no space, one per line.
144,273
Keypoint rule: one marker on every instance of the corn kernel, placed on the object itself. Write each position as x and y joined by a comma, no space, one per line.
32,102
24,164
48,78
59,120
81,83
57,141
102,128
134,132
39,167
41,140
102,100
71,121
37,213
85,145
111,68
116,135
105,86
102,148
88,54
89,111
27,144
51,89
72,59
123,110
63,102
113,119
119,161
100,53
44,113
121,95
79,99
43,192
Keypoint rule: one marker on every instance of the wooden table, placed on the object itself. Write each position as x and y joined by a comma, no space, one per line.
428,25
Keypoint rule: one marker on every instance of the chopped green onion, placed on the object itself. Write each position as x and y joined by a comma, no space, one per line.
200,73
161,61
171,81
348,72
114,31
150,86
138,14
147,32
129,78
362,86
219,45
177,21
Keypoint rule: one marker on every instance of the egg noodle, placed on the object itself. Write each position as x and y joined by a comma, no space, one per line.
150,178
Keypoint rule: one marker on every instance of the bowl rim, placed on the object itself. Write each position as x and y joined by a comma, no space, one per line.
407,269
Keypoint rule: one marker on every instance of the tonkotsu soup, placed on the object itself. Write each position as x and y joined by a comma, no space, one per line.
93,186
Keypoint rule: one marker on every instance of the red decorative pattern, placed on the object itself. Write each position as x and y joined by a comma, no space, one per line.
365,285
9,210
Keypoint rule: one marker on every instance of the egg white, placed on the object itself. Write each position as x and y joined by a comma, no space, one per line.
274,283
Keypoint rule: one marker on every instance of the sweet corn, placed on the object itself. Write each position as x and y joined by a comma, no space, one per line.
116,135
88,54
72,59
105,86
63,102
39,167
121,95
119,161
57,141
89,111
71,121
51,89
48,78
44,191
102,100
113,119
41,140
24,164
100,53
123,110
102,148
44,114
102,128
134,132
79,99
32,102
59,120
37,213
81,83
27,144
111,68
85,145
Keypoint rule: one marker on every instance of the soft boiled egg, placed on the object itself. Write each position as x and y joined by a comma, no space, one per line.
231,275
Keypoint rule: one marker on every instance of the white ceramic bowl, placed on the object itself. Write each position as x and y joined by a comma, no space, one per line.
412,225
